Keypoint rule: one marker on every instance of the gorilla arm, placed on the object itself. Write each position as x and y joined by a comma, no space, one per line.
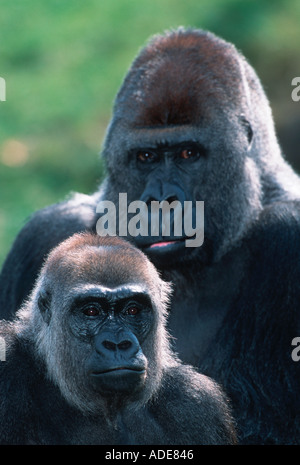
251,354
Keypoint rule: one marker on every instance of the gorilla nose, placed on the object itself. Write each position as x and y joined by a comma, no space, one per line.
151,198
123,345
157,191
116,342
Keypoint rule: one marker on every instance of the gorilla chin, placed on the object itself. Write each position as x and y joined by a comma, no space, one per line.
118,381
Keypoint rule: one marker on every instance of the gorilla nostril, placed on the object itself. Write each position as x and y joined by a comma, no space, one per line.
109,345
150,199
171,199
124,345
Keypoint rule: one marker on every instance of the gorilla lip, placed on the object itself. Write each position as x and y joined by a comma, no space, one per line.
162,244
111,370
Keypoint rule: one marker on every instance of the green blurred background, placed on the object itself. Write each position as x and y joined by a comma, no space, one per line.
64,60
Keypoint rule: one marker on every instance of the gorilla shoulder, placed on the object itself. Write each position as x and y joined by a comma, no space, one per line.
180,388
45,229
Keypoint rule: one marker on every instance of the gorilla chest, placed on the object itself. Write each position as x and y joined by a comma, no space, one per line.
121,430
194,322
199,306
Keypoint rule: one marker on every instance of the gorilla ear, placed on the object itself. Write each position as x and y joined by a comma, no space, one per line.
44,301
249,131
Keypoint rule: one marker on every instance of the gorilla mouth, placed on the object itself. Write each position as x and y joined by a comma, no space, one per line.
166,242
165,245
162,244
118,380
118,369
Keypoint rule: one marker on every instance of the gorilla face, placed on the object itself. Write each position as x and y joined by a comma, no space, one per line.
113,324
166,171
175,166
181,132
101,314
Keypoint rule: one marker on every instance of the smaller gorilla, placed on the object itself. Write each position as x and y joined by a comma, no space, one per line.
88,359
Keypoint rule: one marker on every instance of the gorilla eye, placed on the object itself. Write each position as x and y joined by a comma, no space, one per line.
146,156
133,310
91,310
189,153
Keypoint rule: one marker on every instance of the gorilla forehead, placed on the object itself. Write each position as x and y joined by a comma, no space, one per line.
111,294
178,73
94,259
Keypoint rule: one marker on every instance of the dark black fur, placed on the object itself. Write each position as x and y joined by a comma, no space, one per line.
53,383
234,310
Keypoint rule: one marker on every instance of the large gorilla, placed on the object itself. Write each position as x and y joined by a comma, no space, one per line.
191,122
89,362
